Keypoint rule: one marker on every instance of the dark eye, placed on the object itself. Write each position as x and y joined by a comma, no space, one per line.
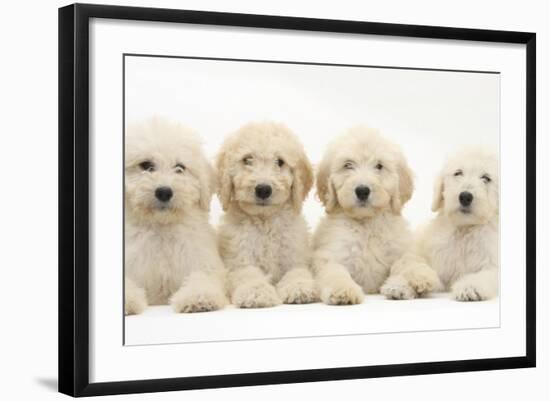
180,168
147,166
458,173
247,160
280,162
348,165
379,166
486,178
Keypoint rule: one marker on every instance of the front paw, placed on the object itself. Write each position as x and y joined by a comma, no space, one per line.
135,301
188,300
467,292
422,279
260,295
397,287
298,292
343,293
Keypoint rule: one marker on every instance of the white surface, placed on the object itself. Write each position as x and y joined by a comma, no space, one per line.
111,361
428,113
28,339
439,111
160,325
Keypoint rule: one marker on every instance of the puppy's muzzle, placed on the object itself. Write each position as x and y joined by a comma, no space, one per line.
263,191
164,194
362,192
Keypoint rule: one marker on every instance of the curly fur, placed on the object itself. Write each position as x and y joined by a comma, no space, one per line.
458,250
264,243
171,253
357,241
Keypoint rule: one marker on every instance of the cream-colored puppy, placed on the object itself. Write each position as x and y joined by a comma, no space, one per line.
461,242
171,253
264,178
363,182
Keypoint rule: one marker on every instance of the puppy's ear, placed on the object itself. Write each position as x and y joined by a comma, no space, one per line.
325,190
437,200
225,183
208,186
405,186
303,180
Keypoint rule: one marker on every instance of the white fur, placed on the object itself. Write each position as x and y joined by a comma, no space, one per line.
356,243
171,251
265,245
460,246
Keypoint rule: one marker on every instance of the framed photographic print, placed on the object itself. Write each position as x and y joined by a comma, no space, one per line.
251,199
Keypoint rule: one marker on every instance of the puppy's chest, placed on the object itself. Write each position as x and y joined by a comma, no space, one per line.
157,261
456,254
371,253
274,247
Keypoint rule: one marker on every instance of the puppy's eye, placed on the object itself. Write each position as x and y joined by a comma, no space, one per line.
348,165
486,178
147,166
180,168
280,162
458,173
379,166
247,160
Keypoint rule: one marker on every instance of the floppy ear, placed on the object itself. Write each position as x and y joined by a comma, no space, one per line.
208,186
325,191
437,200
303,180
405,186
225,184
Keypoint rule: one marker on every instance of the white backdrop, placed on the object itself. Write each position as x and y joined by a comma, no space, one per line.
428,113
29,313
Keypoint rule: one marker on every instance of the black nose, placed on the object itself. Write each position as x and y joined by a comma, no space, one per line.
263,191
164,194
465,198
362,192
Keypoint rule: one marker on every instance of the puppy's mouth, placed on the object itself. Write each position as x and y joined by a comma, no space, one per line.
162,206
263,202
465,209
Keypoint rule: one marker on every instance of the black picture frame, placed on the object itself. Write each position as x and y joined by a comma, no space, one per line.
74,198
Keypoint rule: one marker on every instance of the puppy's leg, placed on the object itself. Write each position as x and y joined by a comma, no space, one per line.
250,288
200,292
135,300
410,277
297,287
478,286
336,285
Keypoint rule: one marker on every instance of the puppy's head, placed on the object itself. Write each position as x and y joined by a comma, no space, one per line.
363,174
166,173
467,188
262,167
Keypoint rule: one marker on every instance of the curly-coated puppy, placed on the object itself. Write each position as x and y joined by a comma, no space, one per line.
171,253
264,178
461,242
363,181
